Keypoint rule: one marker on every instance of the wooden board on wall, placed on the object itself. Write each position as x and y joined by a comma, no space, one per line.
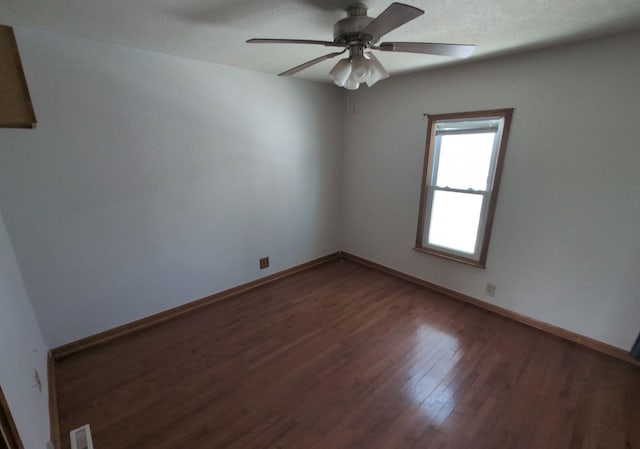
16,110
9,438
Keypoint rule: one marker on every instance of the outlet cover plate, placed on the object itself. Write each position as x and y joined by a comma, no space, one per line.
490,290
81,438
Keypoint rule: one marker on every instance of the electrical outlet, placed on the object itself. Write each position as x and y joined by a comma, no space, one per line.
36,380
490,290
264,263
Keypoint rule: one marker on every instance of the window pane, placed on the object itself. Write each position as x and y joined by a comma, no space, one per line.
454,220
465,160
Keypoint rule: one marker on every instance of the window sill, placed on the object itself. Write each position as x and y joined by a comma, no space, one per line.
464,260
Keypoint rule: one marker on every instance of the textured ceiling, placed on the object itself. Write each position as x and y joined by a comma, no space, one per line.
216,30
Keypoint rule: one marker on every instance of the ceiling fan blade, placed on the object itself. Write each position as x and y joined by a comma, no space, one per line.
455,50
396,15
294,41
307,64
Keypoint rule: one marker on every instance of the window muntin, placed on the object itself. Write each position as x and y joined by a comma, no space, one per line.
460,183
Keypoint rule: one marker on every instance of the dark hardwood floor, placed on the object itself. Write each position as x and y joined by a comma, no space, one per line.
342,356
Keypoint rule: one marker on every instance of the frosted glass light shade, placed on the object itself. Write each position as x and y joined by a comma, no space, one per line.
352,84
360,67
377,71
341,71
374,77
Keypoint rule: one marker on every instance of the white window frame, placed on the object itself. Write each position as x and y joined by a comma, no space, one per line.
474,122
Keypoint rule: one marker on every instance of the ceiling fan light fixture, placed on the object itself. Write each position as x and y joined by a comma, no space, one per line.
358,33
351,72
341,71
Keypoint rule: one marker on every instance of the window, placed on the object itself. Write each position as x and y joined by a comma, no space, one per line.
462,170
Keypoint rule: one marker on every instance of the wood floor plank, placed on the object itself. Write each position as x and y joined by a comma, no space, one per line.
342,356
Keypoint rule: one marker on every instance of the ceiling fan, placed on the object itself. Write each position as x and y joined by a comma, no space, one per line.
358,33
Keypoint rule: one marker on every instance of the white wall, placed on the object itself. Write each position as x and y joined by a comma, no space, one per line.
22,350
565,247
153,180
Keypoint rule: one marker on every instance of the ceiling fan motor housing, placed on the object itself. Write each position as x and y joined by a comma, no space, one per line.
349,30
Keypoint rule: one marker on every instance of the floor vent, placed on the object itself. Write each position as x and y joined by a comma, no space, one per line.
81,438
